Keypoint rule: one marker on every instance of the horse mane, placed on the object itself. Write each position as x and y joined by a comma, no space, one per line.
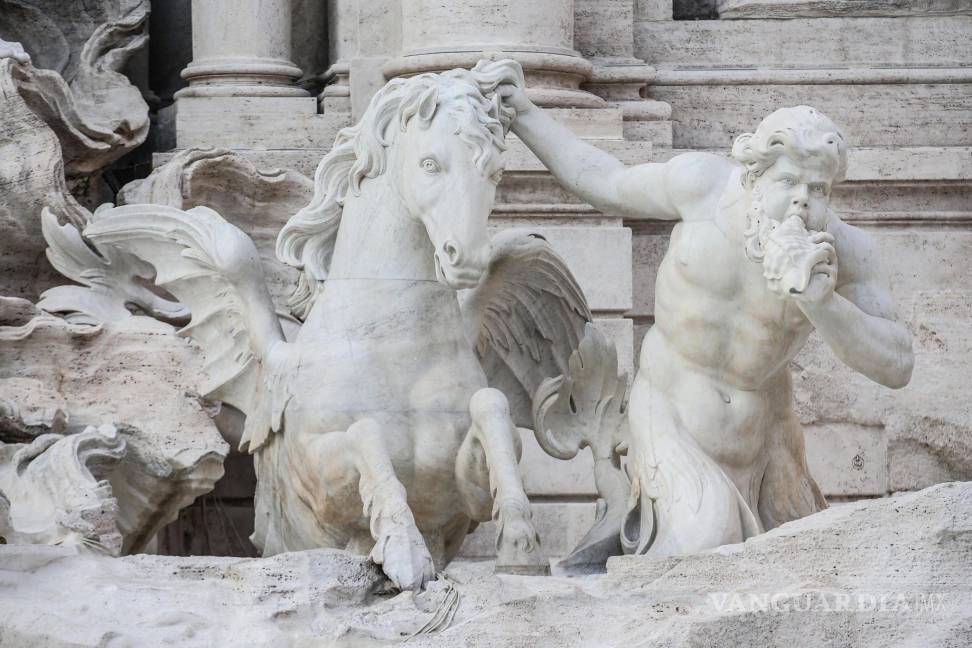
482,120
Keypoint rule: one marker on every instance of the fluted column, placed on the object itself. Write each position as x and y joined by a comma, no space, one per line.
539,34
241,48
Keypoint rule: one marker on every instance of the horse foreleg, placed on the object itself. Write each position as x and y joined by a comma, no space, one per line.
399,546
488,459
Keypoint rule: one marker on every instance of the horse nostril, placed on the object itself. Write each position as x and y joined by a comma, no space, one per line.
451,251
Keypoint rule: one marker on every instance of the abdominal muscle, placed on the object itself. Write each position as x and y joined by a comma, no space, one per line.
717,354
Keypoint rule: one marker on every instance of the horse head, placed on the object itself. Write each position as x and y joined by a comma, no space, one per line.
439,138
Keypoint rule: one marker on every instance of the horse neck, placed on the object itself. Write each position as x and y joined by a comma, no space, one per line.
382,266
378,239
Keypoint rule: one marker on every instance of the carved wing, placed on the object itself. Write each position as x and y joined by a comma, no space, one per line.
213,268
525,318
532,331
113,280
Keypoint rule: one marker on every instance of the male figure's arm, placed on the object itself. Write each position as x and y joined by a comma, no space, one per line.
665,191
858,319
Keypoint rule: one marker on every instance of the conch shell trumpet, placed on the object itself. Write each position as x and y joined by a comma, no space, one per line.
790,254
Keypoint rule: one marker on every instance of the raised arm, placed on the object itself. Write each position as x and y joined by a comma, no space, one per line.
653,190
859,320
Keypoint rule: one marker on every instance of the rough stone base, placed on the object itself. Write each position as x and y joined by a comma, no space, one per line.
892,571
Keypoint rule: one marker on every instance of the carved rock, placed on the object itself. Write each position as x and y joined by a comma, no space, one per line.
889,571
66,113
75,83
134,374
54,490
31,177
260,203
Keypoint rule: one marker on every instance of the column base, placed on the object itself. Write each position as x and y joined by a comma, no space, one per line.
241,77
553,77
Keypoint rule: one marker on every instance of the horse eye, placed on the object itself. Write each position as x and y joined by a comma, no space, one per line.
430,166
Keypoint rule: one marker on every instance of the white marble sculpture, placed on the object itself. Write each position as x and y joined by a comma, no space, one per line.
380,428
756,263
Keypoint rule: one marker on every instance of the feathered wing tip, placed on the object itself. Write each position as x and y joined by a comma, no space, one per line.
525,318
214,268
532,330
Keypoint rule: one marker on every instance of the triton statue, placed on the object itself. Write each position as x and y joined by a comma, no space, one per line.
757,261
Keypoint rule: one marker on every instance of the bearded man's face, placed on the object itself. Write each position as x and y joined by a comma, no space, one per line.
796,187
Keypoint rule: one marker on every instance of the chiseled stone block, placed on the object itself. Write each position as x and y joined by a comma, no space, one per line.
806,43
257,130
775,9
550,477
880,114
600,259
652,10
847,459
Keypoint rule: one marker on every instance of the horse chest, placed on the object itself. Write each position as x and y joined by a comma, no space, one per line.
412,369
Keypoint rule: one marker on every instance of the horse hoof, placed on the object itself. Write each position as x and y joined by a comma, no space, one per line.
405,560
518,549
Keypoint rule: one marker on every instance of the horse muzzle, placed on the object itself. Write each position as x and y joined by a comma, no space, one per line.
456,272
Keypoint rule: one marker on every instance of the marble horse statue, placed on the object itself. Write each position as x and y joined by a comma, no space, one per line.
389,423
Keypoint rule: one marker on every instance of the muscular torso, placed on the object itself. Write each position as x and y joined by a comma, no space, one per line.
719,349
713,308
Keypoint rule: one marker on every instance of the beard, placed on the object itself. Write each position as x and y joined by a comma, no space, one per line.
785,249
758,230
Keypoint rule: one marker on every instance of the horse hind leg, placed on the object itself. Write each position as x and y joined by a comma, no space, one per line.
399,547
490,485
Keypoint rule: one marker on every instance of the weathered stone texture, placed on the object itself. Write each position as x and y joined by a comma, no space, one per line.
877,572
712,115
138,376
733,9
805,43
32,177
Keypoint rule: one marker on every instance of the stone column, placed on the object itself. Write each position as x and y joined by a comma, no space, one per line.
241,48
539,34
241,92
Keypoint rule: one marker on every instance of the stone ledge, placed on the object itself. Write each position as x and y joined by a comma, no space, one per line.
891,571
888,164
807,42
776,9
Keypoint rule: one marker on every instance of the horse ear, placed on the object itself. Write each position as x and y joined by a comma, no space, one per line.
423,107
427,103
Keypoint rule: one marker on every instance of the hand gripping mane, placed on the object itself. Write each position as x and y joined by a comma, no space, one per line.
534,336
213,268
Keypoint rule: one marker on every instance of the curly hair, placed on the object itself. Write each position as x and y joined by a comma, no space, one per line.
799,132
